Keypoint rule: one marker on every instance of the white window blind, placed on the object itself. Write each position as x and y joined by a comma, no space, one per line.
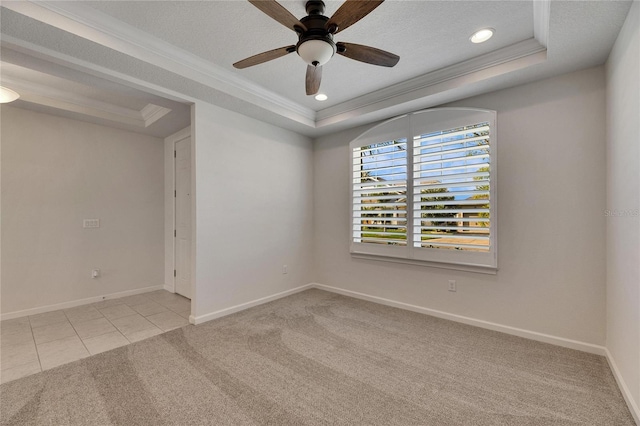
451,189
423,189
380,193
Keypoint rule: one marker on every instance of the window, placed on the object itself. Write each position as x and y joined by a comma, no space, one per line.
424,189
380,193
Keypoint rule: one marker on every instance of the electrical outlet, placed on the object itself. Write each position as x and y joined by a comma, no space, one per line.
95,273
285,269
452,285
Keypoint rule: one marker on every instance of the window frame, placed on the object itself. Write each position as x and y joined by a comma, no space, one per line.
407,127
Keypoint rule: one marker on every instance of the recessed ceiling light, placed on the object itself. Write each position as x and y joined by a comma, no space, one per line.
7,95
321,97
482,35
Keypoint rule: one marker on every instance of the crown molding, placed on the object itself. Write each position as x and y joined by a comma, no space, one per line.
152,113
492,64
541,16
72,102
107,31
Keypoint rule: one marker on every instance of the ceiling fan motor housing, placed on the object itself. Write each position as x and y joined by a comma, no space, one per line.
315,45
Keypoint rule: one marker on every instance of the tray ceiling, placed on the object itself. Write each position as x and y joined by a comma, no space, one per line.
185,50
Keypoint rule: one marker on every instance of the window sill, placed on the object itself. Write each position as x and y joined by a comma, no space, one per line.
455,266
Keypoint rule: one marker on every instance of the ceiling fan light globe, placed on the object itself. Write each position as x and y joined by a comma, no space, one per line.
316,52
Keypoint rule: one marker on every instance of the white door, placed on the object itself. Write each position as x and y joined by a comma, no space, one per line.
183,217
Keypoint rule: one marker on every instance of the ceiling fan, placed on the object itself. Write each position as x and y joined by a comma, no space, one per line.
315,37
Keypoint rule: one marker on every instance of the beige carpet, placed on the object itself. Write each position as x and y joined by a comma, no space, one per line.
317,358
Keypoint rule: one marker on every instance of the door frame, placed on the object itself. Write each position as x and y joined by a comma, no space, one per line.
170,206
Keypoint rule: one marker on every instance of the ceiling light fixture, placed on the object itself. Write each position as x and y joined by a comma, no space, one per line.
316,52
482,35
315,38
7,95
321,97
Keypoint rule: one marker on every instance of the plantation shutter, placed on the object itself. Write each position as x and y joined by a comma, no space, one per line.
379,193
451,189
423,190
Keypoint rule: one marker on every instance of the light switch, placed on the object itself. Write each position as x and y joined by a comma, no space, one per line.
91,223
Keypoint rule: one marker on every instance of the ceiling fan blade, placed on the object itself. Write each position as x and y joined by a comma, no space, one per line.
367,54
312,81
276,11
349,13
264,57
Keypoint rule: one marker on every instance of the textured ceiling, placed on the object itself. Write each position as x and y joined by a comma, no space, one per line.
184,50
427,35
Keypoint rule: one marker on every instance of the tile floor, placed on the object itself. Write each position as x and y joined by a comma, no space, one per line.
36,343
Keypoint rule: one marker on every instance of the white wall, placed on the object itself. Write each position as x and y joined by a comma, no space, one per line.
253,212
57,172
551,197
623,199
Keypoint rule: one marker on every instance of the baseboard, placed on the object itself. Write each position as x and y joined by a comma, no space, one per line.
170,288
228,311
533,335
78,302
624,389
